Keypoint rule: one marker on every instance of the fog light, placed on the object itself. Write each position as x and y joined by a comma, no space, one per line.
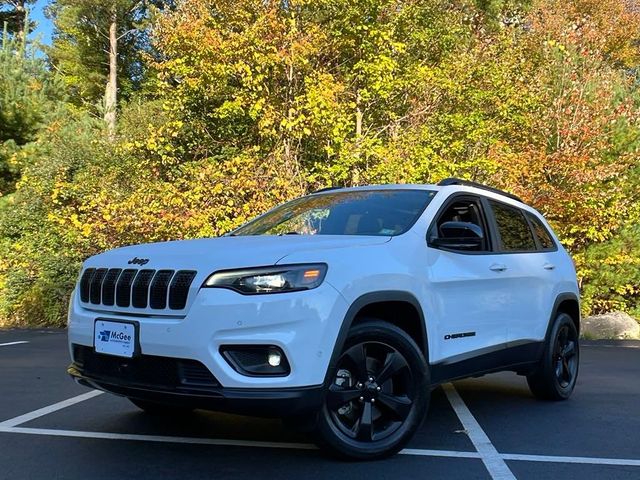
257,360
274,359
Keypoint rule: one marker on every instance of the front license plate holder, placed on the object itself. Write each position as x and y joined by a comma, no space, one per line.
120,338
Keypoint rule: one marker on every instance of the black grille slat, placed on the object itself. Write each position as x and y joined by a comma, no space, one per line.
159,289
109,286
95,291
146,288
140,289
179,289
164,373
123,288
85,284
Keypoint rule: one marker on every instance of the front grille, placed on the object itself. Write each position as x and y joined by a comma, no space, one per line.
136,288
162,373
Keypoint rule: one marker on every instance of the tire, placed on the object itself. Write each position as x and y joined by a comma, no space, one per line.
378,396
160,409
556,374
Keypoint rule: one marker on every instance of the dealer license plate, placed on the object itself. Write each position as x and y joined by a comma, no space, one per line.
115,338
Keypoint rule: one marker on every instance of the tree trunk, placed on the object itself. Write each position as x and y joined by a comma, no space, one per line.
22,23
111,93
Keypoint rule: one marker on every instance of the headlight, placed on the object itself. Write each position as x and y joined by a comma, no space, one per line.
275,279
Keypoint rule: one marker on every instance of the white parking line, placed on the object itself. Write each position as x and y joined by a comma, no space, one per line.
492,460
13,343
157,438
585,460
27,417
306,446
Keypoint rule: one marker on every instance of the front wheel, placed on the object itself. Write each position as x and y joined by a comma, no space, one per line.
378,396
557,372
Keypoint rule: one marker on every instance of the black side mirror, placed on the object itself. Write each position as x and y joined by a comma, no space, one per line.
459,236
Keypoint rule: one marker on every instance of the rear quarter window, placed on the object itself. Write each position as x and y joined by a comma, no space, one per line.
544,237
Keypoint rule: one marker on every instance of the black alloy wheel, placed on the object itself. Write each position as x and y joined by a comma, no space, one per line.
565,354
556,374
378,395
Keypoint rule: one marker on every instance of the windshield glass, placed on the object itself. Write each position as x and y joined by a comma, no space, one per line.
362,212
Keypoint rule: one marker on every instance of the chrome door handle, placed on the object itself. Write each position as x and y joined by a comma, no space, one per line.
548,266
498,267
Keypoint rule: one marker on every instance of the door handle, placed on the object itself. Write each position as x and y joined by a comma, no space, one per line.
498,267
548,266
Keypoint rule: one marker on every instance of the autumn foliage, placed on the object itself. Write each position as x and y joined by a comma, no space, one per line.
246,104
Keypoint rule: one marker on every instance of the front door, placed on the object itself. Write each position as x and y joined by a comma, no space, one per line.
469,294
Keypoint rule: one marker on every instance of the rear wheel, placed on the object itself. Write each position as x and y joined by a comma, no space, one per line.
378,396
154,408
556,375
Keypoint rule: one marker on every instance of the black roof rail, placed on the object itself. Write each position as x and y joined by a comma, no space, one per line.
469,183
326,189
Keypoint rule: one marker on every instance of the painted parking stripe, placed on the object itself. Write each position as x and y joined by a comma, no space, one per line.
585,460
305,446
211,441
157,438
492,460
27,417
13,343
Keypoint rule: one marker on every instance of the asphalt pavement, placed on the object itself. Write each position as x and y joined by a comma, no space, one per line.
485,428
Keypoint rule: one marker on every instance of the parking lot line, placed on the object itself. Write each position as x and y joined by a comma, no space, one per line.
13,343
157,438
492,460
584,460
27,417
306,446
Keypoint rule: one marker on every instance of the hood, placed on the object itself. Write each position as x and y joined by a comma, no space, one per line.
210,254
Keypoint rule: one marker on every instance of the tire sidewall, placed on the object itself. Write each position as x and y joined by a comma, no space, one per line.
548,362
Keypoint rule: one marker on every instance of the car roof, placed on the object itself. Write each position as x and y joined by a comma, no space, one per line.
477,190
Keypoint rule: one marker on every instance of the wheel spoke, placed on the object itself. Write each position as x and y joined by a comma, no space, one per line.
392,365
570,350
338,396
567,374
364,425
563,335
559,368
358,357
398,406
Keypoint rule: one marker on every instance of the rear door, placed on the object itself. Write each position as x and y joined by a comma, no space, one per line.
528,273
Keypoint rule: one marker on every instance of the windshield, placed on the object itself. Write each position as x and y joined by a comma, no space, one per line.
362,212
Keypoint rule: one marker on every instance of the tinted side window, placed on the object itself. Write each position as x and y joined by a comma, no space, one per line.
546,242
464,210
514,230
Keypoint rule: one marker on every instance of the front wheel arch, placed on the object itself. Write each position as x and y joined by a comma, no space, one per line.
364,307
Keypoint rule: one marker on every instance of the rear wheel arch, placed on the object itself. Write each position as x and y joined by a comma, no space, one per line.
399,308
565,303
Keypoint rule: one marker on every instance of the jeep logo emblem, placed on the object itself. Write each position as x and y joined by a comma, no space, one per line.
138,261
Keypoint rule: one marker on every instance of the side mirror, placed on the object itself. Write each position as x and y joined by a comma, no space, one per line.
459,236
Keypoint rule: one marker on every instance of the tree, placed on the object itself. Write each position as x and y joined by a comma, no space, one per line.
15,14
28,94
98,49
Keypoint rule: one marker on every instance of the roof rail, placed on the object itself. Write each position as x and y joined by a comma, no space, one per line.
469,183
326,189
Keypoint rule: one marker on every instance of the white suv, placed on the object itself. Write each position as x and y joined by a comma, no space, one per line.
343,308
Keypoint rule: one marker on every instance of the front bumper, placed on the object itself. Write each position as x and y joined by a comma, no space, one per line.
263,402
304,325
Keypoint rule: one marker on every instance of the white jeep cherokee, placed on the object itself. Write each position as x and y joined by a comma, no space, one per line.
343,308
